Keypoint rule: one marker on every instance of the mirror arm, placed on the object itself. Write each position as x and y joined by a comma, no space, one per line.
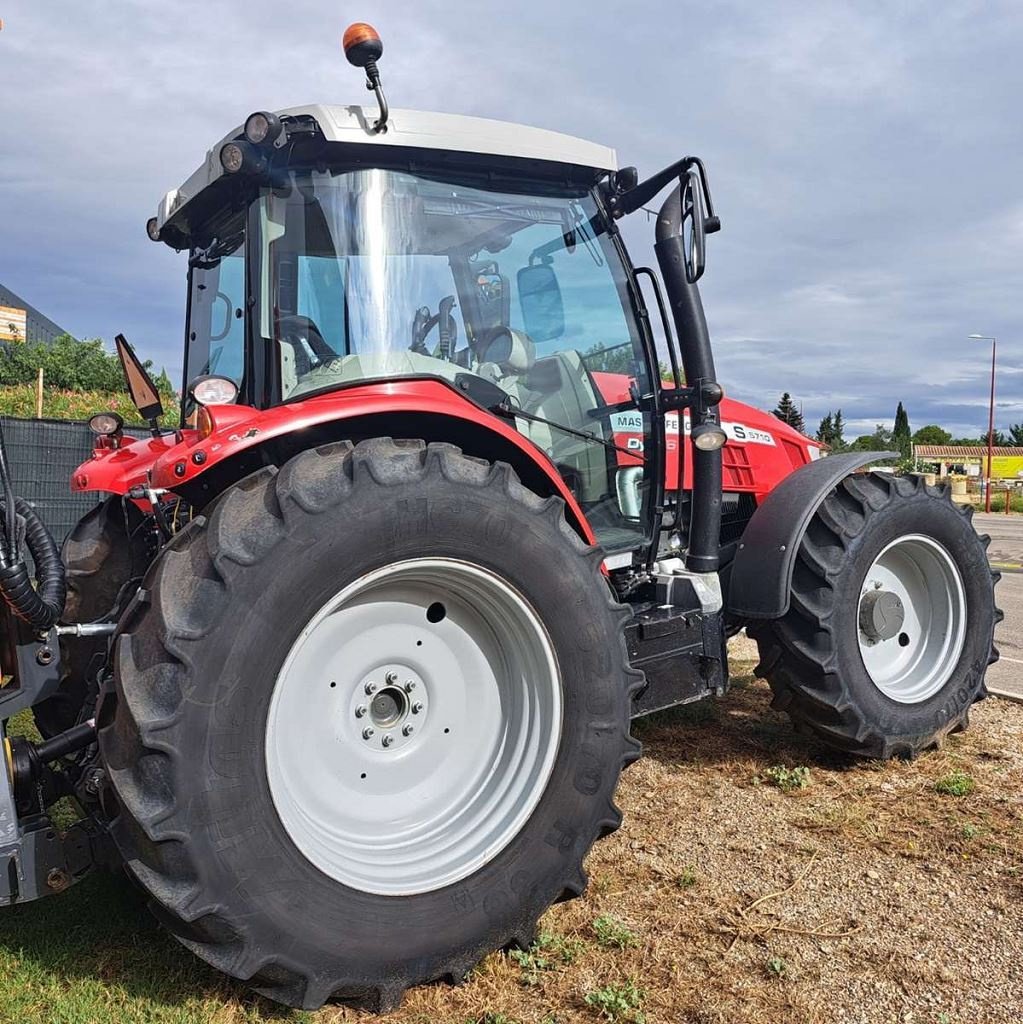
627,202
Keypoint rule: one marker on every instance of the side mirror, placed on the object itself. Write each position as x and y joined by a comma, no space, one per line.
140,385
543,311
694,231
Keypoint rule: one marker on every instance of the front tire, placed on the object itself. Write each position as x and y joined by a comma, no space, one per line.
281,842
891,623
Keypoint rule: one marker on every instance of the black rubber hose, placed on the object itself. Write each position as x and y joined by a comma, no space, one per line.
39,606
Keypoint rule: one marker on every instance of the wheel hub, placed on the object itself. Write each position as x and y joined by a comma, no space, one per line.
881,614
390,707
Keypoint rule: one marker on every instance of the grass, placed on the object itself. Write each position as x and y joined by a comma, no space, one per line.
618,1002
788,779
956,783
613,934
876,896
549,952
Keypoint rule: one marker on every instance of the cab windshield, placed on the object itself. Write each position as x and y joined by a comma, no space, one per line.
374,274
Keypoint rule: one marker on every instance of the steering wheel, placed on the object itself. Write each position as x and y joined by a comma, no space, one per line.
447,327
305,338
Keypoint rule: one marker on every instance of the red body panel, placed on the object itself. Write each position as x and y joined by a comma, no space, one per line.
760,452
117,470
238,427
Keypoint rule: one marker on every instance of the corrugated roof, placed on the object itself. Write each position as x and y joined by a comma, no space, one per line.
961,451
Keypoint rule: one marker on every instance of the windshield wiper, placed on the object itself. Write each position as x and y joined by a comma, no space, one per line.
504,409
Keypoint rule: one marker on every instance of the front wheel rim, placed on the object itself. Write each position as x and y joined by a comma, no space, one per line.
413,726
919,657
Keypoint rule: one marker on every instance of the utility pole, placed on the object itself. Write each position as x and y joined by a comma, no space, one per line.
990,421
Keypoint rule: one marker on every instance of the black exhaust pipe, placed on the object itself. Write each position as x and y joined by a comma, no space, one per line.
703,554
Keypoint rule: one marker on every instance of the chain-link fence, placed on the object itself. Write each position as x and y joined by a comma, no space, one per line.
43,454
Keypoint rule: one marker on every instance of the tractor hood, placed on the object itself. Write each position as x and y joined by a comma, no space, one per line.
181,208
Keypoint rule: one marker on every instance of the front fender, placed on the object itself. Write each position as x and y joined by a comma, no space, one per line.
761,575
242,434
117,470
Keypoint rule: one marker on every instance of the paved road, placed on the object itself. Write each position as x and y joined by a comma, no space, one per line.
1006,553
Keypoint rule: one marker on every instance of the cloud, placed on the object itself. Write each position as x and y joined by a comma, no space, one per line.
864,157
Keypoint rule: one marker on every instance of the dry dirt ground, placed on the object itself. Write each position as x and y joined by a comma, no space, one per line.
757,878
870,894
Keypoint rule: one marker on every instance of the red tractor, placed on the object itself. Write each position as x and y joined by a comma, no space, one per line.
342,668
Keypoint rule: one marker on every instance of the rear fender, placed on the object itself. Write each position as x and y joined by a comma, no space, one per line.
761,576
244,440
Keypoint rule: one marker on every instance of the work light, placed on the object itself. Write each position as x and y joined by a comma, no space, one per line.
153,229
708,437
106,423
262,128
214,390
241,157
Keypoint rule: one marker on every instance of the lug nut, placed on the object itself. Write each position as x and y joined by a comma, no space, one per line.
417,707
406,730
410,685
370,688
387,740
392,678
360,711
367,733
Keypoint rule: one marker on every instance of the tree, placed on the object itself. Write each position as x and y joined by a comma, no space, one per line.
902,438
879,441
838,444
932,434
830,431
826,430
788,413
1016,435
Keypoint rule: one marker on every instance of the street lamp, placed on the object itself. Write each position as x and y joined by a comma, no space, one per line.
990,420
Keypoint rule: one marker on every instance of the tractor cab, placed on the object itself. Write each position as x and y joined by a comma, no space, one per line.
454,249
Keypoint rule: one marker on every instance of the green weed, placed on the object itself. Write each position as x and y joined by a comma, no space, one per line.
613,934
618,1002
788,779
956,783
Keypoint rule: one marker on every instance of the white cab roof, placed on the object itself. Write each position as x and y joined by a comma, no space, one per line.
419,130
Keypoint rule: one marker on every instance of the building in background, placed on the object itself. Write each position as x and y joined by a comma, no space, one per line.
971,461
20,321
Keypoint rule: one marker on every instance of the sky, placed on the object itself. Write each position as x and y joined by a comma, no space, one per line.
866,160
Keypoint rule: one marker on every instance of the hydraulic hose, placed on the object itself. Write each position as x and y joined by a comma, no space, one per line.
40,607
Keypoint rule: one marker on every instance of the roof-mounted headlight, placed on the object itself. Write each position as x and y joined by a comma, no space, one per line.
153,229
241,157
262,128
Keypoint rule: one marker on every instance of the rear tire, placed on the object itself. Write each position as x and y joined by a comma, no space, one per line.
106,549
872,696
205,667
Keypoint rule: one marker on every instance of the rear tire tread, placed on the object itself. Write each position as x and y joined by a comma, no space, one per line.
190,587
802,674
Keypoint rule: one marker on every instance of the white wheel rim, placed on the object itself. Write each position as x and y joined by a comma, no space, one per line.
915,663
472,741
